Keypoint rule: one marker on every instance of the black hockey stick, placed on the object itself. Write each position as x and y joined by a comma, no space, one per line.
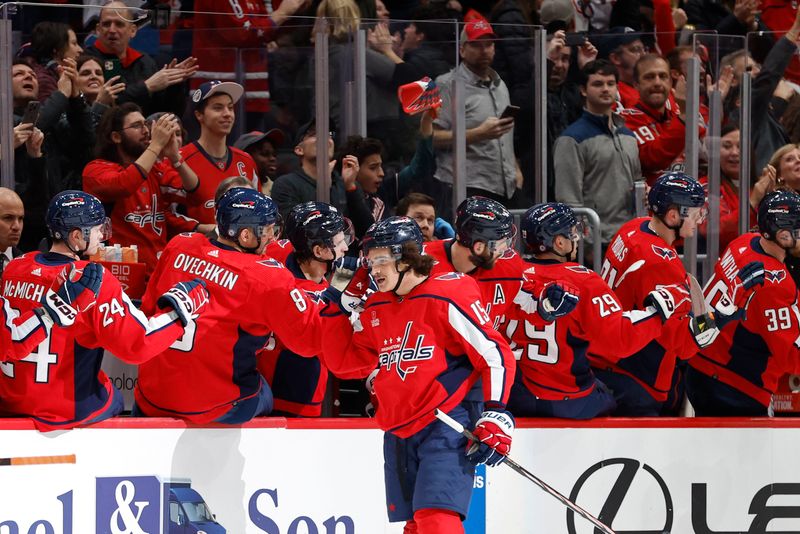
458,427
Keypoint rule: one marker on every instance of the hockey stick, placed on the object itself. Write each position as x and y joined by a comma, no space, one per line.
458,427
38,460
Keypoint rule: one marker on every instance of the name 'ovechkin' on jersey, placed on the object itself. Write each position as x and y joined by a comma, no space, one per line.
206,270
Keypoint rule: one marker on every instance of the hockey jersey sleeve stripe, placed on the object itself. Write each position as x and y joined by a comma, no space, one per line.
153,324
638,316
483,345
20,332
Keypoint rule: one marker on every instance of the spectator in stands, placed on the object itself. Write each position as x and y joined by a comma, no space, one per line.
386,71
12,216
596,158
623,47
51,43
129,174
153,89
428,40
494,172
98,92
659,129
513,58
301,185
263,148
706,15
210,156
65,121
382,194
30,177
780,18
422,209
769,97
233,37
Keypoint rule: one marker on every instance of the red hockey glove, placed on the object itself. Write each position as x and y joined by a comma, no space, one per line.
349,284
670,300
493,437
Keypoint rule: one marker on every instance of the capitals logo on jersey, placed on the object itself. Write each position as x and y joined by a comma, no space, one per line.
666,253
399,353
775,277
153,217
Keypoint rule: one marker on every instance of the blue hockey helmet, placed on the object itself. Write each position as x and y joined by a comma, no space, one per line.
484,219
676,189
70,210
392,233
314,223
779,210
543,222
242,207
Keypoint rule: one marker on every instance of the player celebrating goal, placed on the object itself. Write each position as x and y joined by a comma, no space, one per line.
553,375
431,339
738,373
61,385
210,374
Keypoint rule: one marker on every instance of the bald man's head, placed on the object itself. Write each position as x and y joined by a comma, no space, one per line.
12,212
115,28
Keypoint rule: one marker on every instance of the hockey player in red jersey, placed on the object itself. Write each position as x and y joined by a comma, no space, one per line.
431,338
60,385
738,373
316,233
553,375
640,258
483,249
210,374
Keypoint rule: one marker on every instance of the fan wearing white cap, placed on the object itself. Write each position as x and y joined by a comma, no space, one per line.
210,156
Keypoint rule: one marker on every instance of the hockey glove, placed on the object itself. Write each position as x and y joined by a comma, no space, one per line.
349,284
493,437
704,329
186,298
73,291
551,299
670,300
747,279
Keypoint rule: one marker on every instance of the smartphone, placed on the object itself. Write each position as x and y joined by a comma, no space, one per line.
31,114
111,68
510,112
575,39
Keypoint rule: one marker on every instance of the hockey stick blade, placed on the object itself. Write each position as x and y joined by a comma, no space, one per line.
703,315
458,427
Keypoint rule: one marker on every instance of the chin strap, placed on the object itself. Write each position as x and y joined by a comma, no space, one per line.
401,275
250,250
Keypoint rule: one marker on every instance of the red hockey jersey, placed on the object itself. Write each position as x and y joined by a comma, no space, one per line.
213,366
200,201
20,334
552,358
140,213
430,346
60,385
638,261
751,355
498,285
298,382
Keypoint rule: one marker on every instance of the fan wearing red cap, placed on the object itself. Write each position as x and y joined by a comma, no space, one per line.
210,156
494,172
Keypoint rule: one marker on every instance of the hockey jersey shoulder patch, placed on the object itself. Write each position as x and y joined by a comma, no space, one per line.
450,276
664,253
269,262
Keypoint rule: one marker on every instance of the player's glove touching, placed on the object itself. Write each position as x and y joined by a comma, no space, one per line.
349,284
551,300
492,433
670,300
73,291
186,298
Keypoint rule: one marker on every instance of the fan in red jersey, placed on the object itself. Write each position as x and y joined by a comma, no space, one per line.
60,385
210,374
554,378
431,339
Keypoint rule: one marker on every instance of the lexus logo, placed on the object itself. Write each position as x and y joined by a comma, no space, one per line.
632,473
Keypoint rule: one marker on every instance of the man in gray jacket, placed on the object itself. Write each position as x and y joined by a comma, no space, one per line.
597,158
